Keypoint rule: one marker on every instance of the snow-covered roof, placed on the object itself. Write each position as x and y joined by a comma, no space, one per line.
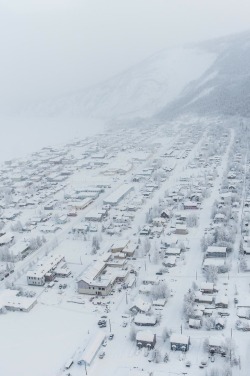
215,249
45,266
145,336
92,347
140,318
216,341
179,338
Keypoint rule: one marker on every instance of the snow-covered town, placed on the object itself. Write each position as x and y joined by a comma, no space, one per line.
128,257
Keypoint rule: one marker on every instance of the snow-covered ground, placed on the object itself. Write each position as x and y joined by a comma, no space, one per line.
60,325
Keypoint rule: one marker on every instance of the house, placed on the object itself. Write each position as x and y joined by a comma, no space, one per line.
173,252
194,323
169,262
207,288
6,239
179,342
145,338
170,241
80,228
190,205
140,306
19,250
94,215
219,218
214,251
219,323
181,229
144,320
216,344
221,301
159,302
206,299
145,230
165,214
214,261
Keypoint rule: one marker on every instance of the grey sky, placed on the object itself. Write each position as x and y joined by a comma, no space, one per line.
50,47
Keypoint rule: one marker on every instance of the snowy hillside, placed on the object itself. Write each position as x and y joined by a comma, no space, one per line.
210,78
224,88
142,90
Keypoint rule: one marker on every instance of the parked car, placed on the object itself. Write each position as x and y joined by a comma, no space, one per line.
188,363
101,355
111,336
69,364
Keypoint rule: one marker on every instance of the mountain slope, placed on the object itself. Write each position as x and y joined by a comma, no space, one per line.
209,78
224,89
142,90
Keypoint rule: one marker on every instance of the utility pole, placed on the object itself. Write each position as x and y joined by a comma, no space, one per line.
86,372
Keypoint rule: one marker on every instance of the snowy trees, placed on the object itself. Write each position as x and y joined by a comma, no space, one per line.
6,255
211,273
132,334
36,243
192,220
243,264
209,323
156,355
160,291
188,305
146,245
17,226
166,333
95,245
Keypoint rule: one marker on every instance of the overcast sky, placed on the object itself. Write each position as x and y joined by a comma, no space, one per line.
50,47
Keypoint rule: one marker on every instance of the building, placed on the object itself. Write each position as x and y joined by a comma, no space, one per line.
179,342
194,323
101,276
190,205
216,344
144,320
115,197
213,251
221,301
12,301
181,229
45,270
145,338
207,288
92,348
